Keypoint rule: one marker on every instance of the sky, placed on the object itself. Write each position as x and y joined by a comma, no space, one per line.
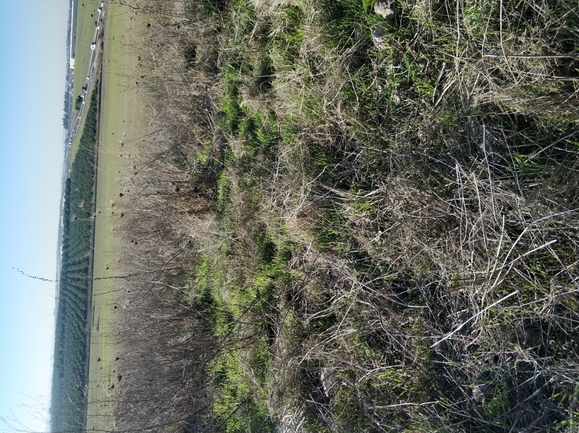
32,82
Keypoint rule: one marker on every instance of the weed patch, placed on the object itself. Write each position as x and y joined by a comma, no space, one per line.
394,204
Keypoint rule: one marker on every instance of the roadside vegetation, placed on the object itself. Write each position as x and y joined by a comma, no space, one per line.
68,397
353,223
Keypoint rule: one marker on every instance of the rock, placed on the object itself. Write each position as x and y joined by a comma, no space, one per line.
478,394
379,33
385,9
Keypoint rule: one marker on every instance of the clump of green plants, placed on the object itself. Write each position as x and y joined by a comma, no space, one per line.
402,193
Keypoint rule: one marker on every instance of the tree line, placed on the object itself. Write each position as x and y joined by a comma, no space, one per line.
68,396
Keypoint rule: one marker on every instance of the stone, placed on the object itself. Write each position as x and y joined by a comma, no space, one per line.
379,33
385,9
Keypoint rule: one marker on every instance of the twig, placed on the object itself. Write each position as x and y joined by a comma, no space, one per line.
533,56
450,334
396,406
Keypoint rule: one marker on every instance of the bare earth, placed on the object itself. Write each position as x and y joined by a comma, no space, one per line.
122,125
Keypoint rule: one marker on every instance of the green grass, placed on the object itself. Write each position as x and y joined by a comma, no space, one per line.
389,140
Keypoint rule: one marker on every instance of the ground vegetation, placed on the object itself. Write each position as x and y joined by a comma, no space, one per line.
344,222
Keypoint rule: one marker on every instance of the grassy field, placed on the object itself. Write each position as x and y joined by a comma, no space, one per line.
121,124
390,193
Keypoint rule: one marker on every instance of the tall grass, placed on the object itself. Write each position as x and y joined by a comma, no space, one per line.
398,237
428,191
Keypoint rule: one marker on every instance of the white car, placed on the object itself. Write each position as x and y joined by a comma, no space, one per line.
93,46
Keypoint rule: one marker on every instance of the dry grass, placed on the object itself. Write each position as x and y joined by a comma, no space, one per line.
375,239
417,187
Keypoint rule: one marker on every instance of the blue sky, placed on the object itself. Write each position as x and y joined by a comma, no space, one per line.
32,80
